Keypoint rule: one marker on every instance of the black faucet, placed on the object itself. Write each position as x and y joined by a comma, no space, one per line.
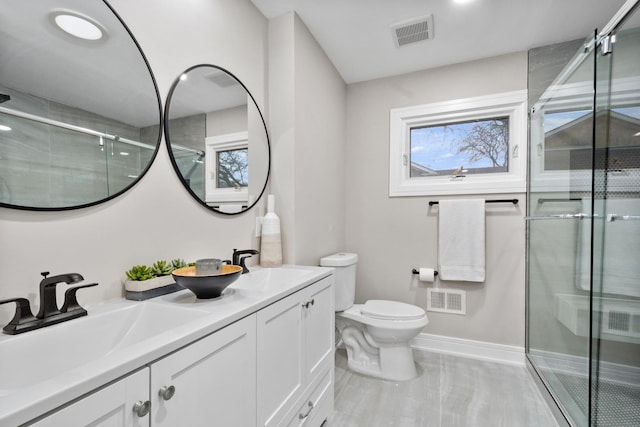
48,304
237,260
49,313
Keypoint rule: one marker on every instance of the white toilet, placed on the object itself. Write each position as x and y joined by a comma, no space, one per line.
376,333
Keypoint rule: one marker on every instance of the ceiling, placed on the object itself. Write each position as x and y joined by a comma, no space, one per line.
356,34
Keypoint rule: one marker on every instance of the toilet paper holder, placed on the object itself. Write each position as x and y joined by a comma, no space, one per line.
415,271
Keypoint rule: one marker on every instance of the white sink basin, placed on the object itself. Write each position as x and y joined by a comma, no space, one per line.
262,279
36,356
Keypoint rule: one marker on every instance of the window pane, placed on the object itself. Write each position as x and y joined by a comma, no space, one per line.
568,135
233,168
477,146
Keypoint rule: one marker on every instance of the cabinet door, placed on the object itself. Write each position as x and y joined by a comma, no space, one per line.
214,380
280,358
111,406
319,319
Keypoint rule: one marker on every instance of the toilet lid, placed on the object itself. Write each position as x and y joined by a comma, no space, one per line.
382,309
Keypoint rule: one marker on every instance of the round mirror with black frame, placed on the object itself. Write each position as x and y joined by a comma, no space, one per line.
80,111
217,139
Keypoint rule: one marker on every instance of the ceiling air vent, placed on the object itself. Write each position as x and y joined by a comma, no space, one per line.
222,79
413,31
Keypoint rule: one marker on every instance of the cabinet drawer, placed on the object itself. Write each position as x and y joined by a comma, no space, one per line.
316,404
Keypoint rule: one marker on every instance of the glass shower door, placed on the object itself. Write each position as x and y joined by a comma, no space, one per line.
615,308
559,235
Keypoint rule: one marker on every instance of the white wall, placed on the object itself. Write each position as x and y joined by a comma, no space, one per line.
231,120
307,107
394,235
157,219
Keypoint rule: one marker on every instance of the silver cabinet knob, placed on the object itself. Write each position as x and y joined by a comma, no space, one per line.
303,416
141,408
167,392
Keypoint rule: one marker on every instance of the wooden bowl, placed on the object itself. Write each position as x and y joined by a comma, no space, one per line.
207,286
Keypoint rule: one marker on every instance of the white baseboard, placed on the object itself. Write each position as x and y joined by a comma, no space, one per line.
500,353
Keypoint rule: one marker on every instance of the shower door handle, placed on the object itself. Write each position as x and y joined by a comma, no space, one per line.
616,217
561,216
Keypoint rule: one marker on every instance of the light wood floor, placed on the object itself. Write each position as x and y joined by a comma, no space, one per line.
449,391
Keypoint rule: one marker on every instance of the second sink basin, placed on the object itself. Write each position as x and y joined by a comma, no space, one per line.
261,279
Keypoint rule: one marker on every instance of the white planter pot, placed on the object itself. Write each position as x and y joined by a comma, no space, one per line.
145,285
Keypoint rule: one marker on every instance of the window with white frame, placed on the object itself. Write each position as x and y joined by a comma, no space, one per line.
468,146
227,168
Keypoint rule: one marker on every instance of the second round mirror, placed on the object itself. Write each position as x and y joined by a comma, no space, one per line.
217,139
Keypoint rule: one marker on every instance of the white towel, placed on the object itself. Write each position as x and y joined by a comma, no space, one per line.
461,252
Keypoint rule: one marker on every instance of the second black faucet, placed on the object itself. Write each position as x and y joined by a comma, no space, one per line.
238,260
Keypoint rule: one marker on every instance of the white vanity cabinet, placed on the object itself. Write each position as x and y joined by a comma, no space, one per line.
295,357
213,380
110,406
210,382
272,367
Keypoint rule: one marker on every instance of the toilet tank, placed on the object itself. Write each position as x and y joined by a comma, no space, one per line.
345,275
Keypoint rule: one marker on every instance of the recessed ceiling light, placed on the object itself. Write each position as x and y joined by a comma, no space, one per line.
5,128
78,26
463,1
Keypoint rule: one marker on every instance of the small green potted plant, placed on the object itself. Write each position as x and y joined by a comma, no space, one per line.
144,281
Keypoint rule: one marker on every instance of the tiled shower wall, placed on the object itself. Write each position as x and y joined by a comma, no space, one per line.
74,167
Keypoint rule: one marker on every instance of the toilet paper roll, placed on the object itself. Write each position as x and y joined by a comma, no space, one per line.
427,274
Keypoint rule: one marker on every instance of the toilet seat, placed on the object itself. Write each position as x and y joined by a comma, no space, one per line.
391,310
356,313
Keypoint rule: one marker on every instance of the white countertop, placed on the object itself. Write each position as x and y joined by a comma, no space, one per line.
250,293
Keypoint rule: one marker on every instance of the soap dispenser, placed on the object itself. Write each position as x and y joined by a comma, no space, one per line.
271,244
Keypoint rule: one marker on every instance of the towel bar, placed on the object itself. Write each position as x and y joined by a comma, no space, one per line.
514,201
543,200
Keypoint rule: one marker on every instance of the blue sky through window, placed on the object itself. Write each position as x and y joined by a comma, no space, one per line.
438,147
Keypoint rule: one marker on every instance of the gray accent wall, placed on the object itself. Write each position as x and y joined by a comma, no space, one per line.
66,167
545,63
